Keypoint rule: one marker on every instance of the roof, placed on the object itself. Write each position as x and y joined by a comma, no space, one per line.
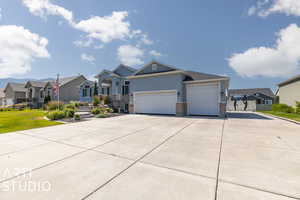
107,71
39,84
289,81
252,91
125,66
197,76
2,94
65,80
171,68
17,87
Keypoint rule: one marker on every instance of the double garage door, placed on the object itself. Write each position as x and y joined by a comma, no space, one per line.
202,99
155,102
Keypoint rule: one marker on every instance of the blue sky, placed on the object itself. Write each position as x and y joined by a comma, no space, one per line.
253,42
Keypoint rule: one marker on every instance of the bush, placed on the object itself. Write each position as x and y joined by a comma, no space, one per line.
71,106
69,113
96,111
54,105
96,101
282,108
109,110
20,106
55,115
102,115
4,109
106,100
47,99
77,117
298,107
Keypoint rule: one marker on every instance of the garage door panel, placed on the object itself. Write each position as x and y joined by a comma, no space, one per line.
203,99
155,103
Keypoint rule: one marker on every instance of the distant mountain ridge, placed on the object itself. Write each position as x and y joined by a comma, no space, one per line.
4,81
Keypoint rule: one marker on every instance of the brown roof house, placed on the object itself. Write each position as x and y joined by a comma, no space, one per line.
289,91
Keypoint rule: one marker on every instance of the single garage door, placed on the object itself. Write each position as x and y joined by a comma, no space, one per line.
155,102
203,99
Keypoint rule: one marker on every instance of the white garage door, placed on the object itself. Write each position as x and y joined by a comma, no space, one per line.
155,102
203,99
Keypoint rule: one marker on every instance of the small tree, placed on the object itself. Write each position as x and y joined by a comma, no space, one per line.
96,101
95,89
47,99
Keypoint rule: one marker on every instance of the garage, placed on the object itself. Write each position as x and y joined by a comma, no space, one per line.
155,102
203,99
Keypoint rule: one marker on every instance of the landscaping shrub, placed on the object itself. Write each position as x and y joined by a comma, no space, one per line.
109,110
282,108
77,117
96,101
54,105
47,99
102,115
96,111
69,112
4,109
298,107
70,106
55,115
20,106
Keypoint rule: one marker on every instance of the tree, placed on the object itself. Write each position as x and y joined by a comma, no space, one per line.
95,89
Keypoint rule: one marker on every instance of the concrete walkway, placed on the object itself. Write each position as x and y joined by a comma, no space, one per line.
138,157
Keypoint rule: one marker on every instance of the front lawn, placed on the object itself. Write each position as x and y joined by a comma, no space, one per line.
21,120
292,116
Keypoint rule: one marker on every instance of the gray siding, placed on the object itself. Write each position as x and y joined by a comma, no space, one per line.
71,90
165,82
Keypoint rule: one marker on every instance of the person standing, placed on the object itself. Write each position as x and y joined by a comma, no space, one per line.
245,101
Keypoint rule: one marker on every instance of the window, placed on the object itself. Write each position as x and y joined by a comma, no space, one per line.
107,91
42,94
154,67
125,88
91,92
84,92
102,91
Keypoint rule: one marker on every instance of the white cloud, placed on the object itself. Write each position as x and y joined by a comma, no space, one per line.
106,28
282,60
155,53
130,55
264,8
19,47
43,8
88,58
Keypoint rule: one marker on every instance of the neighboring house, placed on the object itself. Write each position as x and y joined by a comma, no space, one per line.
15,93
87,89
115,85
289,91
2,97
258,99
69,89
35,93
162,89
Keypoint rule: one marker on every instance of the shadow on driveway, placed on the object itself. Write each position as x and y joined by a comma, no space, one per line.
246,115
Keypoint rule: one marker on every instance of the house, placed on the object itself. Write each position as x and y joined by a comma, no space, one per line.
115,85
162,89
69,89
15,93
87,89
289,91
2,97
35,93
258,99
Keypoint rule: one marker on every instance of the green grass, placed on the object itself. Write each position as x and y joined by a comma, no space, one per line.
293,116
22,120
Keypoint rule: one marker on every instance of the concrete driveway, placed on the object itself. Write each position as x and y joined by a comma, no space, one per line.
139,157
